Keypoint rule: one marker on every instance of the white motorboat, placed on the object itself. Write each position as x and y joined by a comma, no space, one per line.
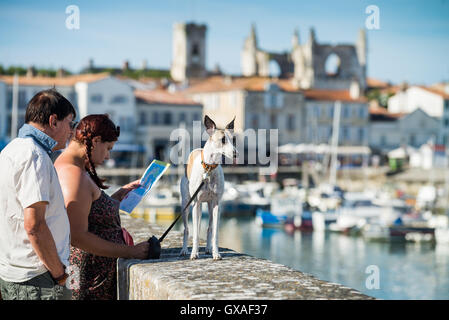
322,220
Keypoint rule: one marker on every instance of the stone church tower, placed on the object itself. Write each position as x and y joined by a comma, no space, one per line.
189,51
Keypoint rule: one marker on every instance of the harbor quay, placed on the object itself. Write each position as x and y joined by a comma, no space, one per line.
237,276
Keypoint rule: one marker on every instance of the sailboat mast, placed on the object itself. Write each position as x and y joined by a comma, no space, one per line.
14,107
334,146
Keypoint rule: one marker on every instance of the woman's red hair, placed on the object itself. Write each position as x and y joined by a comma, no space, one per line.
91,126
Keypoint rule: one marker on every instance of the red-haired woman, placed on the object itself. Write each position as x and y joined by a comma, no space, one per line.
96,233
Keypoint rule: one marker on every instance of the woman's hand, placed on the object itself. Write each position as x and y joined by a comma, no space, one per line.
121,193
140,250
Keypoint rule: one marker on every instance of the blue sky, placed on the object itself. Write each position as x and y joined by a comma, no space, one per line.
411,45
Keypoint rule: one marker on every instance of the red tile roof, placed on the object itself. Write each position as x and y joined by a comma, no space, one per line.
161,96
223,83
434,90
376,83
55,81
331,95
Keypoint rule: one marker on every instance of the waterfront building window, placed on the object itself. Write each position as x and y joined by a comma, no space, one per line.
345,133
182,117
273,121
291,122
167,118
96,98
155,118
255,121
346,112
361,135
412,140
143,118
362,112
119,99
331,111
196,116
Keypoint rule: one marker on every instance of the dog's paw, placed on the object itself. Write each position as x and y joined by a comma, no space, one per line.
194,255
216,256
184,252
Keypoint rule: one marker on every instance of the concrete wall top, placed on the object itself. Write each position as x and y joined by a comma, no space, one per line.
236,276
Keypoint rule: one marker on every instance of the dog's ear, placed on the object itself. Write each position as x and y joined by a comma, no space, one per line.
230,126
210,125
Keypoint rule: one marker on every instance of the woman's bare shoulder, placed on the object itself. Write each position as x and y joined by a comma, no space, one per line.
71,175
70,169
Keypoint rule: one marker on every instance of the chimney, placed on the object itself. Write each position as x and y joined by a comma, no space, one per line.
354,90
295,83
227,80
144,64
60,73
125,65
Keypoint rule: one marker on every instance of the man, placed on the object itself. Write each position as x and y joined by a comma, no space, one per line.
34,227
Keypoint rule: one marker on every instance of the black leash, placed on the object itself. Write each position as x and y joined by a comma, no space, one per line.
186,206
155,243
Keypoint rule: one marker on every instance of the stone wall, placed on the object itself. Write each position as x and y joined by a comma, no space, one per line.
236,276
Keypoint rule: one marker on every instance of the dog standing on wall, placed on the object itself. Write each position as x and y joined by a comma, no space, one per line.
204,165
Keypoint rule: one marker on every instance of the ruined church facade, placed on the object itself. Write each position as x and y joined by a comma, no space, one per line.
306,63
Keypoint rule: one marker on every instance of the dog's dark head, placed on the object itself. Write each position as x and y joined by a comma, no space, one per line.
221,139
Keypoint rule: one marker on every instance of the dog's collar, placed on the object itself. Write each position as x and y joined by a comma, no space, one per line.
207,167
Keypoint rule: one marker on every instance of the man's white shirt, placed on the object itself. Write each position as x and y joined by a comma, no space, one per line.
27,176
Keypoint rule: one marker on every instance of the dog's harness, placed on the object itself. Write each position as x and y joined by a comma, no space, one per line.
206,166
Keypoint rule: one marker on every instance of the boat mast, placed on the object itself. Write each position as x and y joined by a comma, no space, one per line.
14,107
334,146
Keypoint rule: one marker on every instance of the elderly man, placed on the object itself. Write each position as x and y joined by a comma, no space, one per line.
34,227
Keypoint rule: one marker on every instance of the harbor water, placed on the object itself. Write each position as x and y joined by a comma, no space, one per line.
402,270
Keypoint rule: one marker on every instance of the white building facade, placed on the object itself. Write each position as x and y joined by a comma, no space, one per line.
112,96
89,94
432,101
393,131
159,114
320,111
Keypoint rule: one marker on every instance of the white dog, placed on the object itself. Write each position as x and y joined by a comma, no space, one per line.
204,164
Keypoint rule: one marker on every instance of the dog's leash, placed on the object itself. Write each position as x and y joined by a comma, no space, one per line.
186,206
154,251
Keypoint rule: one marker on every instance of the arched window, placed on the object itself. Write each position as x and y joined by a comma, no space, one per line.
274,69
332,65
195,53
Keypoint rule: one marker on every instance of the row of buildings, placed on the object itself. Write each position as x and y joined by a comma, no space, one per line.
148,112
299,102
